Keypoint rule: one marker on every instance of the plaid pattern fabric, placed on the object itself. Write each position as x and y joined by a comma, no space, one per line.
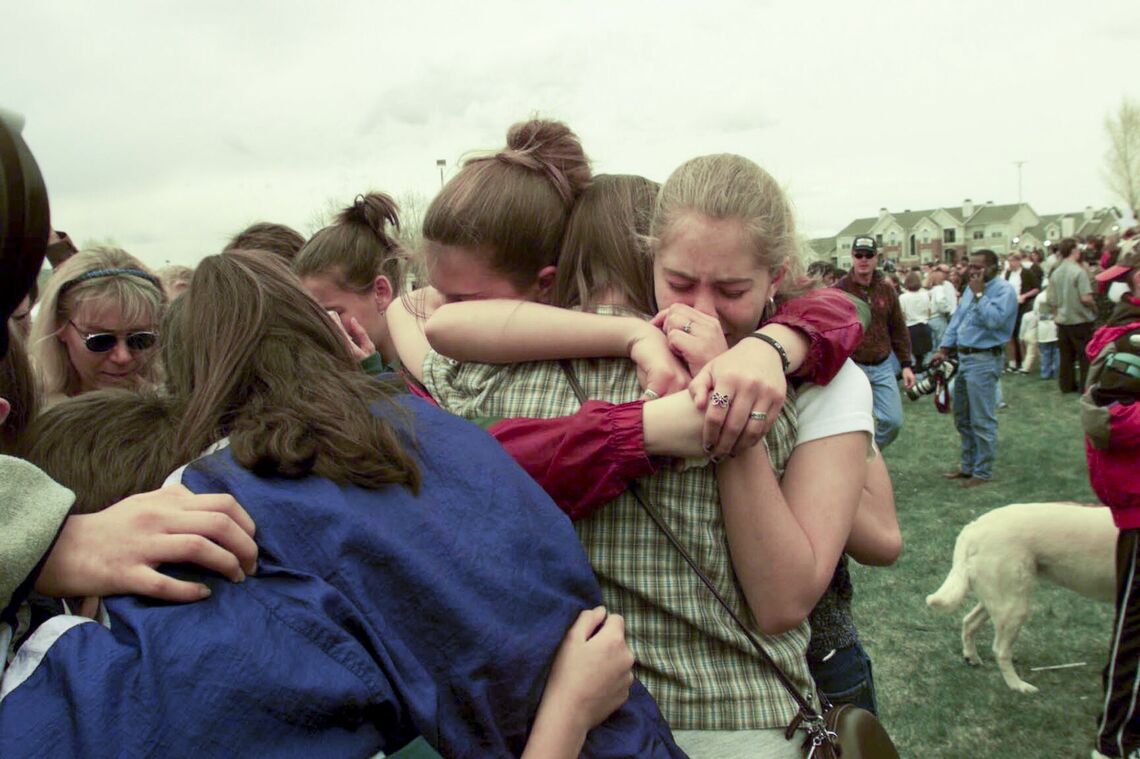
690,654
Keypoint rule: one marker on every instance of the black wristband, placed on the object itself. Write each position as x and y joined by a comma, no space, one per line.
775,344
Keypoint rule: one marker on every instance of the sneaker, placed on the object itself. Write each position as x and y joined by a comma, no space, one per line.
1002,406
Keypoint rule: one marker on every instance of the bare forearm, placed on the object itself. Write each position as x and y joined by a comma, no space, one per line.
875,538
672,427
786,538
405,318
554,736
508,331
770,552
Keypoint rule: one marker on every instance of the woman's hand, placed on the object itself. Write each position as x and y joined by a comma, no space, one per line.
355,338
593,671
694,336
659,370
118,549
741,392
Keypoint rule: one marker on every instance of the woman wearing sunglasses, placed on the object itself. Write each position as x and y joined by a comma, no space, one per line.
97,324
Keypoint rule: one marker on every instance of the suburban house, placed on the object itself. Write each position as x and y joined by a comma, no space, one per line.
946,234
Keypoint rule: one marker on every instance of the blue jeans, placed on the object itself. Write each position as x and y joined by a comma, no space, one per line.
938,324
888,402
1050,359
975,411
845,678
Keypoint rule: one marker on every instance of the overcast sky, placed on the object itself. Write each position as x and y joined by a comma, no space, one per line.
168,126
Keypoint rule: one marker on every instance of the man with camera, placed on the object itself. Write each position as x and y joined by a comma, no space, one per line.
886,333
981,326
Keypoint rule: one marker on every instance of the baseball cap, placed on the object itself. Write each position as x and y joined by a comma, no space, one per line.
1128,260
865,243
23,220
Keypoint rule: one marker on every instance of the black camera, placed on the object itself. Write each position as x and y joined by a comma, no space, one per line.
937,373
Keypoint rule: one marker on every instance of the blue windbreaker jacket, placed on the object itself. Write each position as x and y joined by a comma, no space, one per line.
375,616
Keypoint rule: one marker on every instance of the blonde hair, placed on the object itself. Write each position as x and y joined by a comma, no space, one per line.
139,300
728,186
513,205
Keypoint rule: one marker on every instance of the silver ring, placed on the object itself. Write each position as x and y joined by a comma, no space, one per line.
688,328
652,395
720,400
758,416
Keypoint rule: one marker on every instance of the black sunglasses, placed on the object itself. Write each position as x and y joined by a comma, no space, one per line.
863,254
101,342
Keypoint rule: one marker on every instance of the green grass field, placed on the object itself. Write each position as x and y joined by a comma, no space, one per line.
932,703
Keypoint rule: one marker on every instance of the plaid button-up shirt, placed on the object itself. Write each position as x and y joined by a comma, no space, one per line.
690,654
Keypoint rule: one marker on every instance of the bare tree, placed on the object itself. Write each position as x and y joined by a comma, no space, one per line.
413,204
1122,160
323,216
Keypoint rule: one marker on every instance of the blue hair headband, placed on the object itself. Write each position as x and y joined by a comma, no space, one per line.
99,273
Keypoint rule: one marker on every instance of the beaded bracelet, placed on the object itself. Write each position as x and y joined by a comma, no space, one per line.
775,344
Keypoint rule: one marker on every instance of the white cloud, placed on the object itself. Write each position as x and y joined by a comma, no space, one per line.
168,125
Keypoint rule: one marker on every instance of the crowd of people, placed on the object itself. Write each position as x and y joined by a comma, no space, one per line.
376,500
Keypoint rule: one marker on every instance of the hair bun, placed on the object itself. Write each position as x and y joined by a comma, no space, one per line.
377,211
550,147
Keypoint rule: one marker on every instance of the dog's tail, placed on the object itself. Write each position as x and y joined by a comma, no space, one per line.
956,584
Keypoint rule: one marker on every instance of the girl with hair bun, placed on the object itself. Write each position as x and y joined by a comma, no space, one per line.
494,230
97,325
355,267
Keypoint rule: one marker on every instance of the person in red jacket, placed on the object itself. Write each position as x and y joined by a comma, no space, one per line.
1110,415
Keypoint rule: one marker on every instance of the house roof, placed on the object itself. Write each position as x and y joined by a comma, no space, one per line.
858,227
908,219
823,246
954,211
994,214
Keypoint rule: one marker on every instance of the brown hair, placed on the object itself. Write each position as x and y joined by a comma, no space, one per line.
273,238
357,247
513,205
606,243
105,445
18,387
913,282
254,358
727,186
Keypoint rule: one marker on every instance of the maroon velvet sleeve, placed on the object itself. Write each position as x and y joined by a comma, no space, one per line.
828,318
582,461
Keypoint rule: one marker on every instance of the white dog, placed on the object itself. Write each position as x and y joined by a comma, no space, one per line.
1000,556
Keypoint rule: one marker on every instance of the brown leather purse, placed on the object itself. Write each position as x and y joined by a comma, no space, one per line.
840,731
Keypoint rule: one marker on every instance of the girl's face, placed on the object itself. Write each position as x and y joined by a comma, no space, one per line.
461,273
709,265
122,365
366,307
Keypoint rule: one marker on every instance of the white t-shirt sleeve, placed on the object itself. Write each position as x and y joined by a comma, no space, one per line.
843,405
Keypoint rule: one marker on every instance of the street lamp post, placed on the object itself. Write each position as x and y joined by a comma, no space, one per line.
441,163
1019,164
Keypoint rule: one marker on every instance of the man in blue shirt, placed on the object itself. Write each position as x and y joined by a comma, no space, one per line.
981,326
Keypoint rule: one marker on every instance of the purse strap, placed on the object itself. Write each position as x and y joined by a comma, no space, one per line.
808,714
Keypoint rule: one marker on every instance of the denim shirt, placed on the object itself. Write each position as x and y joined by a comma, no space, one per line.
986,321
